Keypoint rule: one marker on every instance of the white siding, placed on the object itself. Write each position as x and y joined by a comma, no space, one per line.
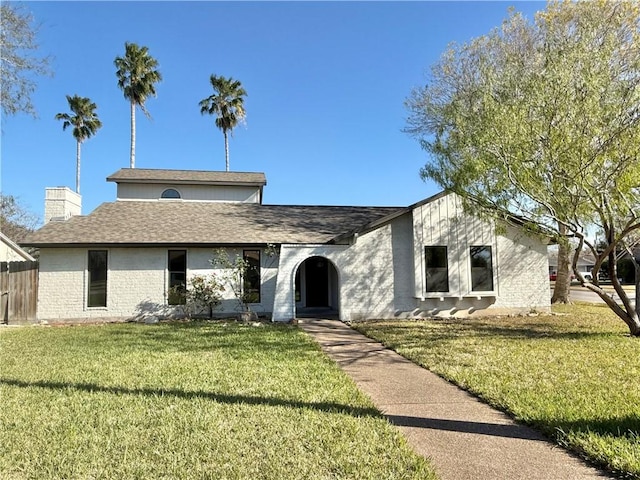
10,252
520,274
209,193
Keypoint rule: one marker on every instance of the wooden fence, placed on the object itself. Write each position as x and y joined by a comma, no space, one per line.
18,292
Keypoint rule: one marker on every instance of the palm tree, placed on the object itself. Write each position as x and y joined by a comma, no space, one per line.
85,123
137,75
227,103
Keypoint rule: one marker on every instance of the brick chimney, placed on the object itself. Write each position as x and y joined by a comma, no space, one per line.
61,203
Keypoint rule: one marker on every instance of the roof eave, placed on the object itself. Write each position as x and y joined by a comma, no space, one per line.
185,182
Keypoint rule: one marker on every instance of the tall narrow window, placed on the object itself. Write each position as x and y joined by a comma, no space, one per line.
177,266
251,281
481,269
437,269
97,278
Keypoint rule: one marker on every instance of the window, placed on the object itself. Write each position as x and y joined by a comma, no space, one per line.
437,267
251,281
170,193
97,278
177,266
481,269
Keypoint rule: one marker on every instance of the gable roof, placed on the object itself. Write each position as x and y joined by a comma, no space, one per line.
15,248
201,177
378,222
156,223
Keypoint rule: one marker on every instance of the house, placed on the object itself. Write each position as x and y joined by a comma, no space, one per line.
585,264
12,252
426,259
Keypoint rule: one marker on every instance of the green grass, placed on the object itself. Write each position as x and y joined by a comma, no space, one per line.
575,376
187,400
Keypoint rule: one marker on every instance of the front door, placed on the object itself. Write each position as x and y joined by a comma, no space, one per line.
317,274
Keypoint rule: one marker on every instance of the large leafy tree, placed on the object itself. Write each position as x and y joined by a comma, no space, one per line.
19,60
85,122
227,103
540,119
137,73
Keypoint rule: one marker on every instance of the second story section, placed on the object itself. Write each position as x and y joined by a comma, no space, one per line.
188,185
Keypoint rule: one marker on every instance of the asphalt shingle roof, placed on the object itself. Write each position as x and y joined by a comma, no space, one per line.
205,223
149,175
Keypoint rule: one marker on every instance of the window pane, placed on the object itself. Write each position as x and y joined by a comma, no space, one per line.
481,269
177,266
97,281
437,269
252,276
170,193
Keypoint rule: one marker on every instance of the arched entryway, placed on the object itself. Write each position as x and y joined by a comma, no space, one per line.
317,288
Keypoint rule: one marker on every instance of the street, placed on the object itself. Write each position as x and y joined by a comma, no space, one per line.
582,294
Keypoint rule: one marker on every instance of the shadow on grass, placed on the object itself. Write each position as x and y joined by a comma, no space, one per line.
626,426
481,428
328,407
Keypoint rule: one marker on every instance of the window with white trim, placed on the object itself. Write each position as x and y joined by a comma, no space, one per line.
437,269
481,268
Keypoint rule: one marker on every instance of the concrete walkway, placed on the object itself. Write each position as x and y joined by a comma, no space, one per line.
463,437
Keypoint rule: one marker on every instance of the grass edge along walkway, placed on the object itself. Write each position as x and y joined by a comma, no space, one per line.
574,376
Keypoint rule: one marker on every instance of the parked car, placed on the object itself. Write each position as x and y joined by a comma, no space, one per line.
553,276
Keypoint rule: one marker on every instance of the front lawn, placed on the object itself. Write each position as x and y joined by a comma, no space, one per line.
187,401
575,376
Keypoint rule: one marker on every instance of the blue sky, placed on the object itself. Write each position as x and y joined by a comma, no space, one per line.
326,82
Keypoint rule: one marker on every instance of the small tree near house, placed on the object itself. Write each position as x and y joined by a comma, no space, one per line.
238,274
234,272
203,293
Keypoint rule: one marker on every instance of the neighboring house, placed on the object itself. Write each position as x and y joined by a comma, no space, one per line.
357,262
586,262
11,251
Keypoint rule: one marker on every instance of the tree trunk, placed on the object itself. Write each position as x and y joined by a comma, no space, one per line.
635,327
78,167
132,163
226,149
562,290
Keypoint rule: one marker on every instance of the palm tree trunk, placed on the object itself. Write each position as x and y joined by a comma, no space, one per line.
133,136
78,167
226,149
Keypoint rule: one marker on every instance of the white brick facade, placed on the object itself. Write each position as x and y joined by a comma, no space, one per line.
378,274
137,282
